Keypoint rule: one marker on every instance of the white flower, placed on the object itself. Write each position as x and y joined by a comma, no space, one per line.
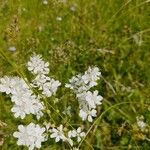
58,134
25,101
48,85
51,87
91,76
76,133
88,114
45,2
28,106
72,133
30,136
77,84
141,124
5,85
81,83
93,99
80,134
58,18
40,80
37,66
138,39
12,49
73,8
47,125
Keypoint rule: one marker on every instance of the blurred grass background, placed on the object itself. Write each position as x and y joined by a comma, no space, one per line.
110,34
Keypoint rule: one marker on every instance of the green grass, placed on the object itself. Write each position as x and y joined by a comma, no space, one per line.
98,32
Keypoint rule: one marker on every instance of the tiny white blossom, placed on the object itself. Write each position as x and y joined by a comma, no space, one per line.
73,8
12,49
76,133
51,86
58,18
141,124
37,66
47,125
93,99
56,100
58,134
138,39
31,136
5,85
87,115
80,134
72,133
45,2
81,83
48,85
40,80
91,76
77,84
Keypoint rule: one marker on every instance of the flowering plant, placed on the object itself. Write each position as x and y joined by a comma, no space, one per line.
26,101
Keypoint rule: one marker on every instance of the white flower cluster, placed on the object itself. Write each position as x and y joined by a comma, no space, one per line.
140,123
88,101
25,102
31,136
39,68
59,134
82,83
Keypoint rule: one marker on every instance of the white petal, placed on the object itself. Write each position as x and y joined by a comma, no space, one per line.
21,128
57,139
90,118
53,135
79,130
16,134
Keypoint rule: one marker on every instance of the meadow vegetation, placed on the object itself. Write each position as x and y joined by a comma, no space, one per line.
72,35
